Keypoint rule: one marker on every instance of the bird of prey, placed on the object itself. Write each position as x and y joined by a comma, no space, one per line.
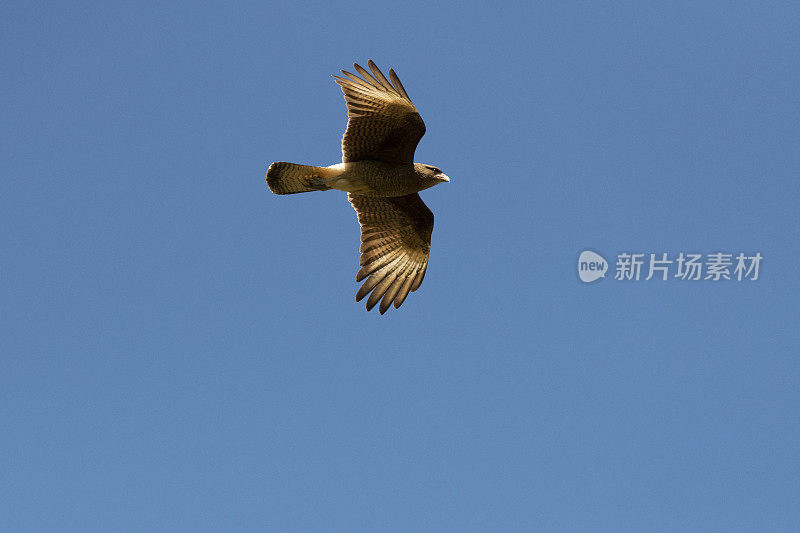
382,181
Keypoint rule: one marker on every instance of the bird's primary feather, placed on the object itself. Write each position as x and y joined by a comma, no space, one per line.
383,123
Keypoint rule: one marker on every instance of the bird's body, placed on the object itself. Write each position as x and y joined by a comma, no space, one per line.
379,173
371,178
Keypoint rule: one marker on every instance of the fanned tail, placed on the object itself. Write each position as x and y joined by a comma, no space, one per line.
289,178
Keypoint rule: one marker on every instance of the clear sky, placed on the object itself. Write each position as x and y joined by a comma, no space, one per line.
181,349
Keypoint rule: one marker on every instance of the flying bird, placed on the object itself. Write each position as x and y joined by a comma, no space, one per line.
382,181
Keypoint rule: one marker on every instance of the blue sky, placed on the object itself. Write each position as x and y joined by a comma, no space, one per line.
181,349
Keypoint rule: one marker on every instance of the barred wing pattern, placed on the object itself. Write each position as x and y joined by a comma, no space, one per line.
395,243
383,124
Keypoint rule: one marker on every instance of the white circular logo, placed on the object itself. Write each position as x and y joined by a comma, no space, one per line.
591,266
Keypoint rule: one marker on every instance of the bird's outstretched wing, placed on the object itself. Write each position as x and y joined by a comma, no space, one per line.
383,124
395,243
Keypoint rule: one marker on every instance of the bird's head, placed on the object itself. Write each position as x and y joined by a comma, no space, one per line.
431,174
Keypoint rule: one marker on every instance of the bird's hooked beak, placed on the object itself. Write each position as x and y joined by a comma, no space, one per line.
443,177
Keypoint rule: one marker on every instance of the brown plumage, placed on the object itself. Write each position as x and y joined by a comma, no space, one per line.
379,173
383,124
395,243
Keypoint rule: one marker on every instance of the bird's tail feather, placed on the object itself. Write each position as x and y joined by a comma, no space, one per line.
289,178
